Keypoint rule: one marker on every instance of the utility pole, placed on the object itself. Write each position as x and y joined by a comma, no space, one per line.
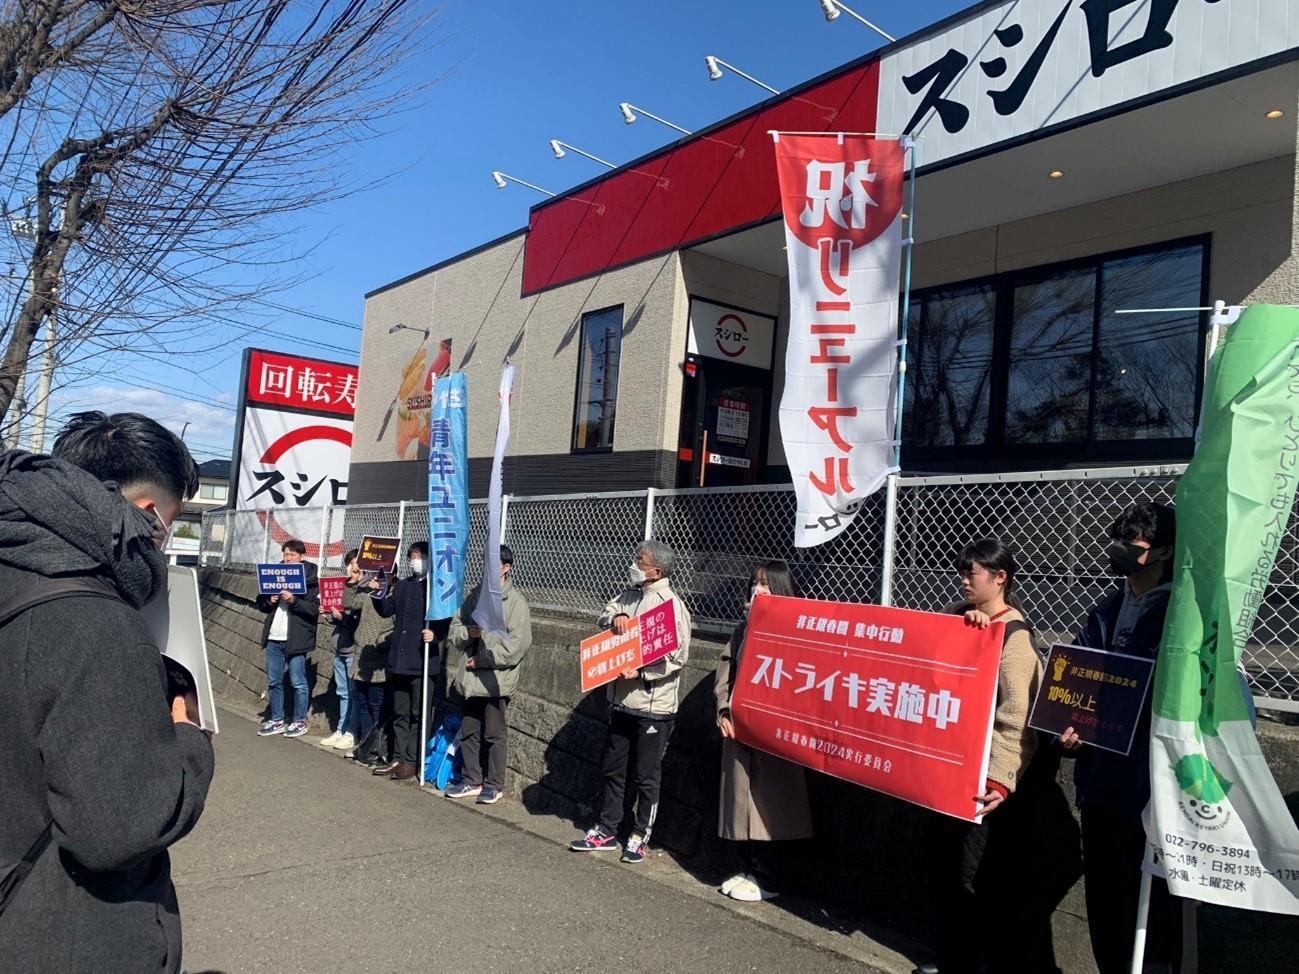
16,411
48,362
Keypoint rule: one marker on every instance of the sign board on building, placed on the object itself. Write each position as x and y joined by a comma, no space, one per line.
731,334
991,77
293,445
415,398
1010,70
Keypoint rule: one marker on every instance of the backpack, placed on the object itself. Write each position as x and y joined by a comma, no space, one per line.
443,754
12,876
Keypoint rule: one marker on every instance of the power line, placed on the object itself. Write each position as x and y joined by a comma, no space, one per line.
309,314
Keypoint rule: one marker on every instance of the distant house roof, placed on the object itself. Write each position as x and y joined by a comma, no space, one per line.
215,469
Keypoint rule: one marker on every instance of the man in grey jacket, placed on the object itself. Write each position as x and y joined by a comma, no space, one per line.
642,707
487,678
100,771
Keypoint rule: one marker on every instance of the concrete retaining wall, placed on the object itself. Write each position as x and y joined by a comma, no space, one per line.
866,869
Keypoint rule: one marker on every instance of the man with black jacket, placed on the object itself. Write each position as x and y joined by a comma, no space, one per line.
100,771
1113,788
406,603
289,635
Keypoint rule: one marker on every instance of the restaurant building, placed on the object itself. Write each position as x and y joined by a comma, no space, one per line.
1075,160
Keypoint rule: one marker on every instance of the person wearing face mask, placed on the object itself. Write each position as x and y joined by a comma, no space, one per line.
1113,789
642,707
406,603
763,798
100,771
488,677
988,915
289,635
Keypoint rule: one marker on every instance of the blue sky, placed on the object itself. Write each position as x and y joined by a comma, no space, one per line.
511,75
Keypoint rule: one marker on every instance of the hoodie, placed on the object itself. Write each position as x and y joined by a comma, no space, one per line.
90,746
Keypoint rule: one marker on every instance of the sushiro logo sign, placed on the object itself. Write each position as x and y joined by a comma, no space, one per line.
731,334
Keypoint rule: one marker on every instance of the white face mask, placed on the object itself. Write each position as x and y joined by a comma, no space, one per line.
417,566
636,575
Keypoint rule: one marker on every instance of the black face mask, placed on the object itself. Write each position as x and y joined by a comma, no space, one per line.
1125,559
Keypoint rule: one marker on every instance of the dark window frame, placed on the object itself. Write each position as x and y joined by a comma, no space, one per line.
578,401
1091,450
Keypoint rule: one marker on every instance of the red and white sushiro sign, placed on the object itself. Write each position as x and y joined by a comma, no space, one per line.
730,334
294,449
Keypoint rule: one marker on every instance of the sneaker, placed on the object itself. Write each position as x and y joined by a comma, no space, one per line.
296,729
731,883
748,891
462,790
331,740
596,840
490,796
634,852
271,728
345,742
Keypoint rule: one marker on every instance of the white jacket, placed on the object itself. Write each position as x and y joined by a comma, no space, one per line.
654,691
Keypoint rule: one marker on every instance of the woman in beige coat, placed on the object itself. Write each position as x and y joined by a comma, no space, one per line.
763,798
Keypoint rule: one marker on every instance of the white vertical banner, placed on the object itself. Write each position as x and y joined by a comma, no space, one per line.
841,196
489,614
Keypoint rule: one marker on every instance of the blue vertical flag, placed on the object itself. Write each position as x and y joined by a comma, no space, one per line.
448,495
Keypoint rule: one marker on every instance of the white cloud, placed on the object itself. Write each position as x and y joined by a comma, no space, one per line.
210,430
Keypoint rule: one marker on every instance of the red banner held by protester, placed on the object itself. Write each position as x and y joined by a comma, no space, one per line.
891,699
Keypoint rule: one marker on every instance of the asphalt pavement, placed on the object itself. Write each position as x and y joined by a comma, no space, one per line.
304,862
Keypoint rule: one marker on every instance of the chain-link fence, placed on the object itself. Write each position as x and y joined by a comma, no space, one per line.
573,550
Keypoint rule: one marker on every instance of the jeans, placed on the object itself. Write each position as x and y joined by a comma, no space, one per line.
367,707
343,688
277,661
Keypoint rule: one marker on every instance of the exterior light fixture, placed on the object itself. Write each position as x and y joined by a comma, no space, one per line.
1056,174
1274,114
400,327
558,147
715,65
832,9
629,116
499,179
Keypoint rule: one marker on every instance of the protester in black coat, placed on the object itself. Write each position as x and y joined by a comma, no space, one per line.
406,603
93,748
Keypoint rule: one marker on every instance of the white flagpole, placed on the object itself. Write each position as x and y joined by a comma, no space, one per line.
1224,315
1143,919
423,717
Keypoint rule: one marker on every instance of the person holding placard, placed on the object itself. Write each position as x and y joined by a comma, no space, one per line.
642,707
763,798
488,677
975,890
289,635
346,617
373,638
1113,789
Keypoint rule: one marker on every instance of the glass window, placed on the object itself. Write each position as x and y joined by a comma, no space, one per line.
206,491
1049,381
1149,364
220,492
949,344
597,380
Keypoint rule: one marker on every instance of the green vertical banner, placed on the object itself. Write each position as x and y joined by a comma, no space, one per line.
1218,827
